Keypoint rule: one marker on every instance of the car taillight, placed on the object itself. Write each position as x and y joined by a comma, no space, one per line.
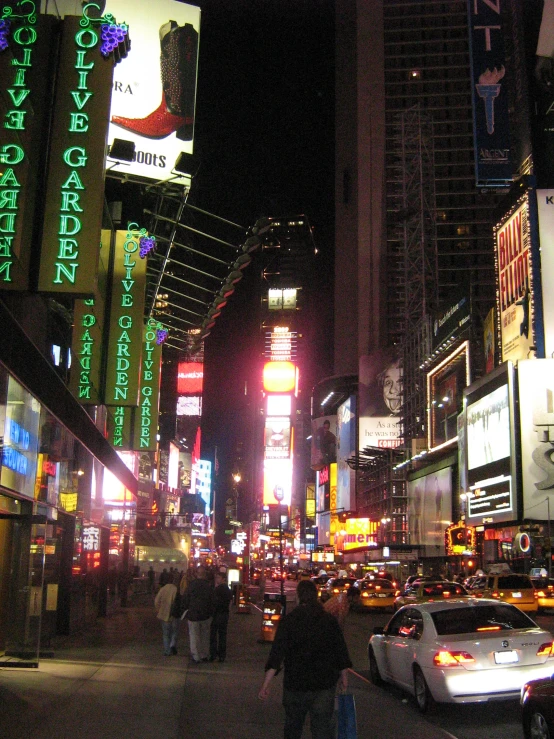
495,594
445,594
336,590
377,587
540,594
546,650
452,659
365,595
536,594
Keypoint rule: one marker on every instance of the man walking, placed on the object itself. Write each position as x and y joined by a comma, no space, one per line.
220,621
164,603
199,604
310,643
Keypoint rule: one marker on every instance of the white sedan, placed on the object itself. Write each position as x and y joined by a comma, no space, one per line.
460,651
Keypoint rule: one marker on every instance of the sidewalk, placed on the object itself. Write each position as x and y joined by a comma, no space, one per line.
113,682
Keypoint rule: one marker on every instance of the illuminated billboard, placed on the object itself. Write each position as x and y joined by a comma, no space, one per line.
190,378
545,205
277,475
281,344
536,411
277,437
189,405
445,384
201,483
380,393
516,289
154,91
145,426
279,377
490,447
324,442
357,533
430,508
346,448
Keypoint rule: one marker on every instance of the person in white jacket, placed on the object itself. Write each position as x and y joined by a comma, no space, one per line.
164,603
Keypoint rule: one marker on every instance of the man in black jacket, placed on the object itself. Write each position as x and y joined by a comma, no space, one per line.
220,621
310,643
199,605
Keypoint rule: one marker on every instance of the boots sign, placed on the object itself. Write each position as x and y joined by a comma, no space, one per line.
154,88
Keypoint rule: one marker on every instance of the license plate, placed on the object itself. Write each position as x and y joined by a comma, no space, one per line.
381,595
516,595
505,658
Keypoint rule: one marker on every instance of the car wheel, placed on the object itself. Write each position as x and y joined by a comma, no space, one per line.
423,696
374,673
537,726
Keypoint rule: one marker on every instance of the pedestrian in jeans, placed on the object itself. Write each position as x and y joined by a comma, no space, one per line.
220,621
199,605
164,603
311,645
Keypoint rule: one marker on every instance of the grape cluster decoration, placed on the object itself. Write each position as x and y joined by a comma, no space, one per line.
146,243
4,33
161,335
112,34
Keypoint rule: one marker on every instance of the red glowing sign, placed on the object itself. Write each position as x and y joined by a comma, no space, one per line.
190,378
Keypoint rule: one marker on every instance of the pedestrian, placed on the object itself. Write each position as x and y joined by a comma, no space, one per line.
199,605
164,577
220,620
151,579
311,645
165,611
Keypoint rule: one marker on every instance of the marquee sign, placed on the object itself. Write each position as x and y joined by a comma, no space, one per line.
75,189
25,49
126,320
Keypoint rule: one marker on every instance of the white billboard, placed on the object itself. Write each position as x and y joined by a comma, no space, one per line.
545,204
430,508
154,89
536,408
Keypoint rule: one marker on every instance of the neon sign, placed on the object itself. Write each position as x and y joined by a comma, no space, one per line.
146,417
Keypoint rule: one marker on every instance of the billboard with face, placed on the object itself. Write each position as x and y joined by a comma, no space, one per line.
380,393
346,448
430,508
536,407
154,91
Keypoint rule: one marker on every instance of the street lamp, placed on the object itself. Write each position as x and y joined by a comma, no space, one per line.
279,494
384,521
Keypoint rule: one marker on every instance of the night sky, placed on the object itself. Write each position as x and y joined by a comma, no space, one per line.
265,137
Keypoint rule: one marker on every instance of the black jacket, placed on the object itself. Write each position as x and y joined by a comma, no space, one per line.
311,644
199,600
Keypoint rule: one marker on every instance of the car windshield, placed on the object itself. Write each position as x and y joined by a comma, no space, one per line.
478,619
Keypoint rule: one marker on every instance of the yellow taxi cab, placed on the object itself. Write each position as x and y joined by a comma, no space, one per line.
334,586
545,592
428,592
514,588
371,594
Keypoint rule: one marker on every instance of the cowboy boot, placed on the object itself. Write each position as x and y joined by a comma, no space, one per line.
175,113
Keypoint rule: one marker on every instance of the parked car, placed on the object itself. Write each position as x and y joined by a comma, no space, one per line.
334,586
372,594
460,651
537,702
426,592
514,588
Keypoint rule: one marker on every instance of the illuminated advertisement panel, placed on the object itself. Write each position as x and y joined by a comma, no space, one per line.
516,289
126,321
380,393
190,378
324,441
491,120
346,448
445,385
88,328
27,93
277,437
430,508
358,533
490,447
545,205
75,189
281,344
173,466
279,405
277,474
145,427
20,440
189,405
201,483
536,413
154,91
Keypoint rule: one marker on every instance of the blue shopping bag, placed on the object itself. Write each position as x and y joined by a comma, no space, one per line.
346,717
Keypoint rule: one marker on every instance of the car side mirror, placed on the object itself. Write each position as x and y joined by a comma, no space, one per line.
379,630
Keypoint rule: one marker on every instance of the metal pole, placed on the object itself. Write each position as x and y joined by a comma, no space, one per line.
281,553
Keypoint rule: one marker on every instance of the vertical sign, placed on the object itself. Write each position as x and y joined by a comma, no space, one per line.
146,415
493,164
26,43
120,424
75,191
126,320
545,204
515,282
88,327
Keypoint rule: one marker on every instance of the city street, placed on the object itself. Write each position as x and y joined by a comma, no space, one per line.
488,720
